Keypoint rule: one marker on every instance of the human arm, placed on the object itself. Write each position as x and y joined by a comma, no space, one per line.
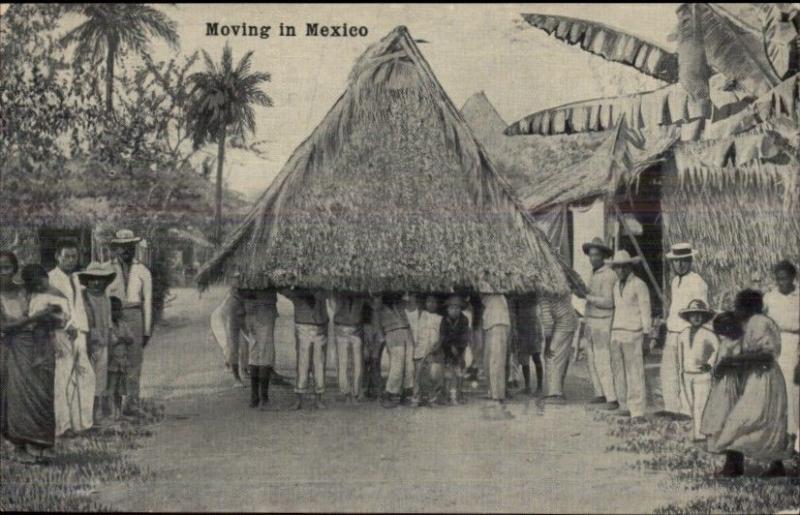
643,297
604,296
546,318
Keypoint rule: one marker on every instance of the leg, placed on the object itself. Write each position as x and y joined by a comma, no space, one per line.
254,387
319,347
264,376
787,360
358,364
634,368
600,342
688,381
408,370
590,361
343,355
418,371
557,365
618,370
701,387
395,344
526,373
496,340
670,389
303,358
537,364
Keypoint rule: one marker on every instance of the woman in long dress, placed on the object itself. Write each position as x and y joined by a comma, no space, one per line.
746,410
29,354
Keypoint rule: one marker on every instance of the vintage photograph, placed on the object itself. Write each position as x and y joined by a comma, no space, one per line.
381,258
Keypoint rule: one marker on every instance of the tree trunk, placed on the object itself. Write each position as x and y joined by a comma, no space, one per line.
112,50
220,161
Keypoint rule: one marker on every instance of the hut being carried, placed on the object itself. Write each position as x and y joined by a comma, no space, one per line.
391,192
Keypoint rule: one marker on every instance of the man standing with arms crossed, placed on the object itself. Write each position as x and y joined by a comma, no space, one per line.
133,284
685,287
599,315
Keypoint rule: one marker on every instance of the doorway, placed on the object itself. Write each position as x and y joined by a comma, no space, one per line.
644,204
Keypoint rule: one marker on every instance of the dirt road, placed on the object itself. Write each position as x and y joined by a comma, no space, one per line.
214,453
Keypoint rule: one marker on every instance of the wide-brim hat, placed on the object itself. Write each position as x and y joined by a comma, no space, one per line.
622,257
97,270
697,306
124,236
681,251
597,243
454,300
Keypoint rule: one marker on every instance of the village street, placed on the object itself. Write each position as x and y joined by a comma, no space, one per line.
214,453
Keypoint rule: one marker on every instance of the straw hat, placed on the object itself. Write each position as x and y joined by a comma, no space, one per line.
697,306
622,258
123,236
598,243
681,251
97,270
455,300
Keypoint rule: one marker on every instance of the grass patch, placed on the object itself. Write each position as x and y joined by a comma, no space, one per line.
81,465
665,446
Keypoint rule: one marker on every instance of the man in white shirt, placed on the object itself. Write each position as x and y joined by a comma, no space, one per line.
630,328
783,306
133,285
74,383
685,287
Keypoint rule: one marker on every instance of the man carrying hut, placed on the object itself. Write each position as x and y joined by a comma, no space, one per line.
400,346
599,313
629,330
133,284
559,324
685,287
74,376
311,339
260,311
496,323
347,320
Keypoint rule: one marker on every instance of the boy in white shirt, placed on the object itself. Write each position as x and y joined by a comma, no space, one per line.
697,351
427,353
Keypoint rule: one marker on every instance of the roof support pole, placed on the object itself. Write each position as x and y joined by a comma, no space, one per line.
639,252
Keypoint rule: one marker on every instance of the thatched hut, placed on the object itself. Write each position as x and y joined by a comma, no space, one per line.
391,192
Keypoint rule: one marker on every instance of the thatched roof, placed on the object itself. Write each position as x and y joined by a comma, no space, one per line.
391,192
530,163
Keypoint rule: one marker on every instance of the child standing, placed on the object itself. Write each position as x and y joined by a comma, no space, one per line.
121,339
95,280
427,352
697,350
454,336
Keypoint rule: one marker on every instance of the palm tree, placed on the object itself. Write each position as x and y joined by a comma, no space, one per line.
221,105
744,54
112,29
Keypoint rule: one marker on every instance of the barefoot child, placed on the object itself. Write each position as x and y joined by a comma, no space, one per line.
697,350
121,339
95,281
428,353
454,334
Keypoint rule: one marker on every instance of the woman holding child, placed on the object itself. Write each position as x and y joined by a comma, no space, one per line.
746,410
29,316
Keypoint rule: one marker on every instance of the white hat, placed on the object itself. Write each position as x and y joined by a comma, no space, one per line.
621,257
125,236
681,251
98,270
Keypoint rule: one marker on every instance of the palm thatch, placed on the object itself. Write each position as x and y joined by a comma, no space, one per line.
610,43
526,161
726,60
391,192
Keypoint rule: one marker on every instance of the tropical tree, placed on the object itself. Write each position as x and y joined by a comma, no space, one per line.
113,29
221,105
736,51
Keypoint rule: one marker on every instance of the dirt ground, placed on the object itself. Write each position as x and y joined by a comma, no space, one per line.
214,453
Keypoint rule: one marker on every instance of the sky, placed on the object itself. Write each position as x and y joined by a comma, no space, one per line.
470,48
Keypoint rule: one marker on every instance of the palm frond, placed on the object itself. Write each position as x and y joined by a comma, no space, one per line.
157,24
735,52
693,69
611,44
781,40
244,64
